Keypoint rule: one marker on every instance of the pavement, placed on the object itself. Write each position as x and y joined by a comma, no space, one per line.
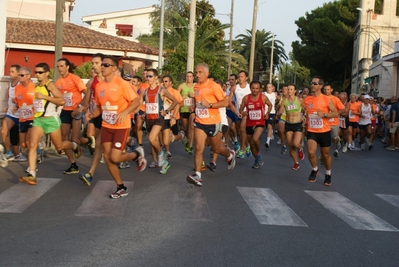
271,216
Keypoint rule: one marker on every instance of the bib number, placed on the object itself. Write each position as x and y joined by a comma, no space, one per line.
255,115
151,108
26,112
68,99
109,116
202,113
188,102
351,115
38,104
315,122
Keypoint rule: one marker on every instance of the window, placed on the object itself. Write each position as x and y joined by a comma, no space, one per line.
379,7
124,30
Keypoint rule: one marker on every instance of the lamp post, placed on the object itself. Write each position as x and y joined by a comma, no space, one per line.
252,56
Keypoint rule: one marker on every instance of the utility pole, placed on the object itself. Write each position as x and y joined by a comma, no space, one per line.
161,29
231,38
3,27
191,36
252,56
271,61
59,21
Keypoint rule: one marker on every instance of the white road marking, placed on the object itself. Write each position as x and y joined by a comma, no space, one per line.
269,208
98,202
20,196
189,203
351,213
391,199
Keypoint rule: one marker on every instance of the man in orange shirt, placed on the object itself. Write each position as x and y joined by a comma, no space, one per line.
72,87
319,109
115,100
209,97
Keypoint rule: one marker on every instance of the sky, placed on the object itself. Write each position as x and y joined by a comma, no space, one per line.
276,16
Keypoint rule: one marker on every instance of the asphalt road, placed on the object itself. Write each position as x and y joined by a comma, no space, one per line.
271,216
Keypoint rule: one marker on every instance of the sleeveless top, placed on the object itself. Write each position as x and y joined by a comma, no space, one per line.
256,110
272,97
11,104
188,101
44,108
291,107
240,93
366,114
153,103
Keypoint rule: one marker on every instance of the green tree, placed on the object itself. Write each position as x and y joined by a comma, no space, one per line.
326,45
84,70
263,47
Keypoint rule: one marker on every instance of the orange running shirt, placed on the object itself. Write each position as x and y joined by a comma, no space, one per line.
339,106
313,104
167,102
354,107
24,97
71,88
114,97
212,93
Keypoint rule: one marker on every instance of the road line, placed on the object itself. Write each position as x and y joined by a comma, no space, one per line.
20,196
351,213
391,199
269,208
189,203
98,203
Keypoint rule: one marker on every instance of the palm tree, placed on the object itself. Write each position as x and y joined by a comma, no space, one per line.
263,46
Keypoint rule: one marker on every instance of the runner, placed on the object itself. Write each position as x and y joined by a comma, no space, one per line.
253,107
72,87
344,120
366,112
209,97
353,121
281,121
46,121
115,100
292,107
319,109
272,95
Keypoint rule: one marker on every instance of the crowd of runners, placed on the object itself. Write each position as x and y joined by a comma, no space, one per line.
117,110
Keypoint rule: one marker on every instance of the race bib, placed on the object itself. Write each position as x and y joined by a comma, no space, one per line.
255,115
351,115
315,122
109,116
202,113
342,122
38,104
151,108
68,99
291,107
26,112
188,102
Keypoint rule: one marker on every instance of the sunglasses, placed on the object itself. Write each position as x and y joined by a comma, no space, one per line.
315,83
22,75
149,76
39,72
106,65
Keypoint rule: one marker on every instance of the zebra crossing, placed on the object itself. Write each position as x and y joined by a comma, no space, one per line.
190,203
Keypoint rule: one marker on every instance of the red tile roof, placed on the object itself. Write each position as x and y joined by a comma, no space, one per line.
42,32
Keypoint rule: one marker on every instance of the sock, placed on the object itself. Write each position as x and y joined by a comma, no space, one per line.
74,165
235,139
198,174
33,173
75,145
328,172
268,140
315,169
230,156
160,158
121,186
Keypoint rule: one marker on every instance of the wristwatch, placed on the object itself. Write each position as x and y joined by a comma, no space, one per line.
210,105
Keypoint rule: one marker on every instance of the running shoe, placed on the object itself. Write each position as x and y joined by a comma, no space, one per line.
232,163
203,166
336,153
339,143
91,144
390,148
189,149
283,150
141,161
86,178
321,160
296,166
77,152
301,154
345,148
255,166
363,146
122,192
165,167
248,151
171,137
236,146
153,164
102,160
40,156
183,137
240,154
267,144
211,166
124,165
313,176
9,155
28,179
20,158
327,180
278,141
194,179
71,170
168,155
371,146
